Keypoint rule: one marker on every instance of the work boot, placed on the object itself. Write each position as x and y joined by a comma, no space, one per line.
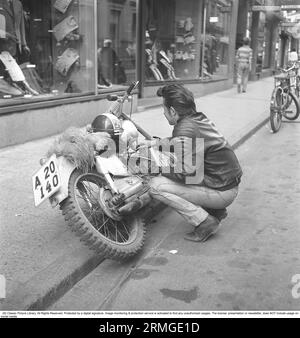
204,230
218,213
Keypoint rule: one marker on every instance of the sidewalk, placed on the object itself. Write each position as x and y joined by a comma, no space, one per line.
40,257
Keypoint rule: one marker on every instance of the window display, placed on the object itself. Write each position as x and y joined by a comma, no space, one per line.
116,43
216,46
47,48
51,49
172,28
73,47
179,46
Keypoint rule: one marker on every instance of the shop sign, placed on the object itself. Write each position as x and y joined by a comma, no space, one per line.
213,19
295,31
289,24
225,9
279,2
266,8
288,2
224,39
290,7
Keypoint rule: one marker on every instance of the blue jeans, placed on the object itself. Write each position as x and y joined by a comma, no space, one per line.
188,199
243,75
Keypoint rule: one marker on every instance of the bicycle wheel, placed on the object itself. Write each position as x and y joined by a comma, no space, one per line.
297,89
277,102
292,111
275,120
278,97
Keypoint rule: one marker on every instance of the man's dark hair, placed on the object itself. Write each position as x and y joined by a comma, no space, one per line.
178,97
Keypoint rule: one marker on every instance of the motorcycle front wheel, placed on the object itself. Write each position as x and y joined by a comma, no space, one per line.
113,237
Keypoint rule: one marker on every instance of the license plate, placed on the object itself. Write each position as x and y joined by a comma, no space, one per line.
46,181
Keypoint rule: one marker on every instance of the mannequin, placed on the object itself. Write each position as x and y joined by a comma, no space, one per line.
13,45
164,63
13,28
152,62
108,59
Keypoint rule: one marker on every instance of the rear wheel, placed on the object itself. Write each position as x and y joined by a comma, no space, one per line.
87,213
297,89
292,110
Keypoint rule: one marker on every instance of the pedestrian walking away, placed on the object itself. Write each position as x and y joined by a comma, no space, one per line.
293,56
202,203
243,60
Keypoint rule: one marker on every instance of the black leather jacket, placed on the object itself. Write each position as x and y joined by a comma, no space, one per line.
222,170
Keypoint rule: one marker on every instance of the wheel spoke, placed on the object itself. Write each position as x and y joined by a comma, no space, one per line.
125,227
103,224
87,193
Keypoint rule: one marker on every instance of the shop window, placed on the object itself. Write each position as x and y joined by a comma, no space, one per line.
116,46
216,36
47,49
172,39
175,35
261,42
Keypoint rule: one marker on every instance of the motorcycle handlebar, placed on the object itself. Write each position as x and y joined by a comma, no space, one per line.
131,87
112,97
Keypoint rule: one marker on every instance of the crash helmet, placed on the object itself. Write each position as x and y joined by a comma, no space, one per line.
107,123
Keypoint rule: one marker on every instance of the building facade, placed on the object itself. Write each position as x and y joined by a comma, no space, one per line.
59,59
260,21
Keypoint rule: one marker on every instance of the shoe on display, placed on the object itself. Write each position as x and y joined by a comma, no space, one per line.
62,5
107,83
66,60
62,29
12,67
103,86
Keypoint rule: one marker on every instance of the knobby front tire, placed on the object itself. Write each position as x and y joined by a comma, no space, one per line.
114,239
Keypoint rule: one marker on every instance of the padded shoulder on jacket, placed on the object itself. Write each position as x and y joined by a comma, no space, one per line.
186,127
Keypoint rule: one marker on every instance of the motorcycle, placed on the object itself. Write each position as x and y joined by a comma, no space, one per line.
100,196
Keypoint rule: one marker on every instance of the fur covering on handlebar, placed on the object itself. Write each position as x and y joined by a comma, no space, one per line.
78,146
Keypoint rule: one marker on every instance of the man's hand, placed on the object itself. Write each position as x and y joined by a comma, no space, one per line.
26,50
148,143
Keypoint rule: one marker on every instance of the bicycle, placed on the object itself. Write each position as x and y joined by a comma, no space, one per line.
284,100
297,85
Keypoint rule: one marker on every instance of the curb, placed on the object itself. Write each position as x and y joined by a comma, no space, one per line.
252,131
47,286
50,284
